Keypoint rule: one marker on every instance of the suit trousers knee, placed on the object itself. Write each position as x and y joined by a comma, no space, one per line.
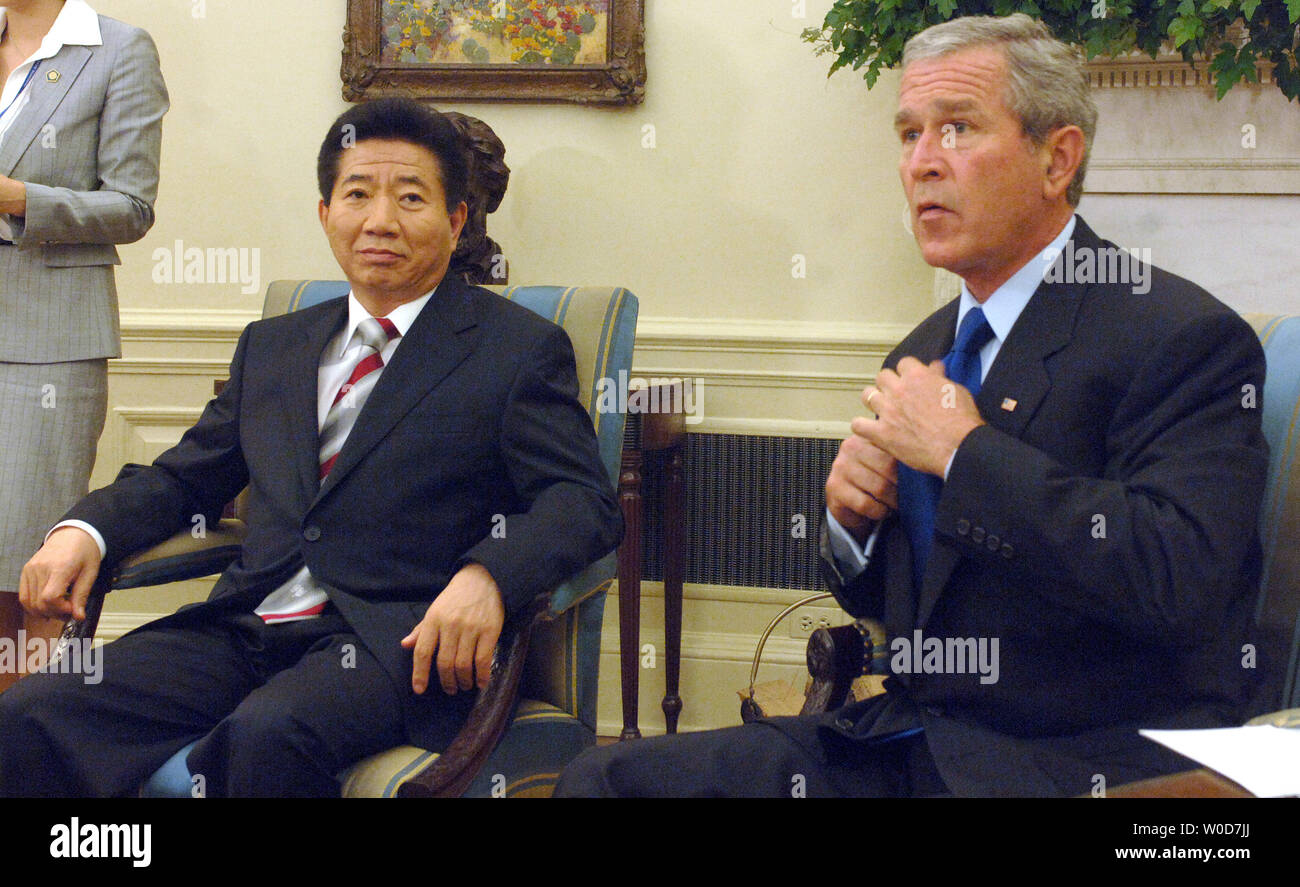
776,757
276,709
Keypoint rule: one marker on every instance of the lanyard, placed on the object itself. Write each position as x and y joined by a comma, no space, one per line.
30,74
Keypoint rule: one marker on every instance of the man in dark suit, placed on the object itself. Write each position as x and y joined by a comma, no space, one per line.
1053,510
419,468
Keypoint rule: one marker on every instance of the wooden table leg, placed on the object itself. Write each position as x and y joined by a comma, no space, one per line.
629,589
674,556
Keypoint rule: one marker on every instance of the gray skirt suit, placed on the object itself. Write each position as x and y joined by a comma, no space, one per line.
86,145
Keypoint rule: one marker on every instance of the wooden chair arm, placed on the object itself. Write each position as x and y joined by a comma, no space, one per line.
453,771
183,556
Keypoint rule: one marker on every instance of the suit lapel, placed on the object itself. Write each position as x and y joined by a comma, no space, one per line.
43,98
443,335
1019,380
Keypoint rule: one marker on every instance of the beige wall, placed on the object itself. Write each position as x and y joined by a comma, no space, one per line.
757,158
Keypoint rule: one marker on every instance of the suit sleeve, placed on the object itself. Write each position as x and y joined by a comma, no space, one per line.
1155,543
553,461
127,161
198,476
861,595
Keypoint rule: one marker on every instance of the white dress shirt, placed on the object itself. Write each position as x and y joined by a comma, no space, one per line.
1001,310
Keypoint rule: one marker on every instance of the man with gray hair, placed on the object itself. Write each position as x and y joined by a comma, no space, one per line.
1063,470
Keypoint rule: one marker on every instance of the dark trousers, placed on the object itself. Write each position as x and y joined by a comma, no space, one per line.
776,757
278,710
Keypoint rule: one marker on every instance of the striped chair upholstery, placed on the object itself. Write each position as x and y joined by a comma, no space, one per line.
1278,612
556,716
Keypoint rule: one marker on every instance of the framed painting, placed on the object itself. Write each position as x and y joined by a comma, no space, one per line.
585,51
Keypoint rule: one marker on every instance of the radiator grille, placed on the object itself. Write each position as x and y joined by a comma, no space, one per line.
742,493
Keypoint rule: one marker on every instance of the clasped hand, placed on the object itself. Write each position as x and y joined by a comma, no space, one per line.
921,419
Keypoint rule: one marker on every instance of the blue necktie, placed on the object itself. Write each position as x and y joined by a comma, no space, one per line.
918,492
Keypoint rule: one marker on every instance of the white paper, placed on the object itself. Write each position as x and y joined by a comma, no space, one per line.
1265,760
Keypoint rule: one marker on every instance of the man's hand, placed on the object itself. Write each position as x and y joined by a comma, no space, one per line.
69,559
863,486
921,417
462,624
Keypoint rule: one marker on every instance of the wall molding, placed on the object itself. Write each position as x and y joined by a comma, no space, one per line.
168,366
180,324
712,335
772,427
654,333
758,378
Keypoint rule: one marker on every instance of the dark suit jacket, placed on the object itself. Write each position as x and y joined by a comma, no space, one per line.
1104,530
476,416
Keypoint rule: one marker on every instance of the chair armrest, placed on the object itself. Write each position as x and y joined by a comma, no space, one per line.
183,556
453,771
1287,717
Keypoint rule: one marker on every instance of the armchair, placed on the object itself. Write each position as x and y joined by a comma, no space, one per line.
539,709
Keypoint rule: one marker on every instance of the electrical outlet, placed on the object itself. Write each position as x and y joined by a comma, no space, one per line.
806,620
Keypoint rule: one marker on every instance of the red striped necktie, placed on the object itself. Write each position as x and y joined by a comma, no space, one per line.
374,333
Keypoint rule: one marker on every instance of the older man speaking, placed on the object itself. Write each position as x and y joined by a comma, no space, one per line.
1063,470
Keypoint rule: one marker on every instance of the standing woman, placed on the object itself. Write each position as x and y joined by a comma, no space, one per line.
80,128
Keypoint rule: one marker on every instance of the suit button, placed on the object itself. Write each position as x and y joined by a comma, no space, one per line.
977,535
844,723
963,527
311,534
1007,550
993,542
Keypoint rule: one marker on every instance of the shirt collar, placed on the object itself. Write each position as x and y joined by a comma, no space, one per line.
76,25
1003,308
403,316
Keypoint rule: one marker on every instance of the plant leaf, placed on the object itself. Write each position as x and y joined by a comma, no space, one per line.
1185,28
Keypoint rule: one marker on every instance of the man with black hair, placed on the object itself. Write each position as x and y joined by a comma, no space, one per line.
382,439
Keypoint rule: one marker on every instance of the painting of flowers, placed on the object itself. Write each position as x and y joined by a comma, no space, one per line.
591,52
494,32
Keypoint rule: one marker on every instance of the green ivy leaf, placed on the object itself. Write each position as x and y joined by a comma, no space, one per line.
1185,28
1248,8
947,8
1293,11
